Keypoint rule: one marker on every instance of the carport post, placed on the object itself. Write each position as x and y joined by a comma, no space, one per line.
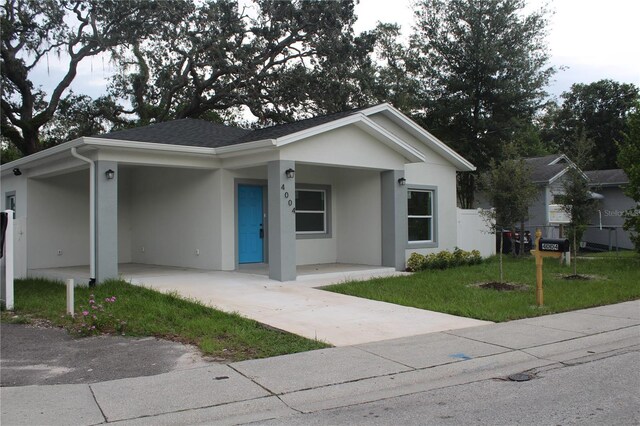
281,201
9,247
394,218
106,228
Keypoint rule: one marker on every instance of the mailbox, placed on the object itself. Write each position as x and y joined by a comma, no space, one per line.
553,245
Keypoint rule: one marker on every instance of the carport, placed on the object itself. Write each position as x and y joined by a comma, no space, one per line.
157,221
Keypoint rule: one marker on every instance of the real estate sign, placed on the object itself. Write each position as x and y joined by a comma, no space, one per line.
558,214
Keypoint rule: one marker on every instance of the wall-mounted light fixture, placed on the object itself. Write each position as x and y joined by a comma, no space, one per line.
17,171
290,173
402,181
110,174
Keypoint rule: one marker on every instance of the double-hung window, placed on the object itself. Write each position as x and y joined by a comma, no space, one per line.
311,211
420,209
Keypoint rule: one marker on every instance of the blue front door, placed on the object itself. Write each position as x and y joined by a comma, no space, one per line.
250,226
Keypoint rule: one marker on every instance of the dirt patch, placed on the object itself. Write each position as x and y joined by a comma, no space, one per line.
580,277
495,285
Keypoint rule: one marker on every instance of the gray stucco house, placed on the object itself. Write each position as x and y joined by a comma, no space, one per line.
606,223
367,186
605,227
548,173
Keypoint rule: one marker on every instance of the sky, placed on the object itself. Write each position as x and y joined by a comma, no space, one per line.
590,39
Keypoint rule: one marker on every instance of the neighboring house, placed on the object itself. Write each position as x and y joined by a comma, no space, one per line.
366,186
548,173
606,224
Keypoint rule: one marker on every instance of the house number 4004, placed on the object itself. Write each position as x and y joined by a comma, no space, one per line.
289,201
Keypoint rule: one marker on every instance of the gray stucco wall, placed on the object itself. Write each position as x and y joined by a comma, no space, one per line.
610,213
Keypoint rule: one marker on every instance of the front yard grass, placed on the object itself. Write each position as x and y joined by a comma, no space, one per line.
454,291
226,337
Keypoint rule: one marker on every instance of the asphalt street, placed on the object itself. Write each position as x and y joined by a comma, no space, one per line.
600,392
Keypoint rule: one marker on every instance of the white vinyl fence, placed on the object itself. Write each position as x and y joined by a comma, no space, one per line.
474,232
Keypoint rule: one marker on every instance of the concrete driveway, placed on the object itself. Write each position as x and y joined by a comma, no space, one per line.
300,308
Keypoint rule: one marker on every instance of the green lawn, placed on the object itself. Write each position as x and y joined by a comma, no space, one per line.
453,291
150,313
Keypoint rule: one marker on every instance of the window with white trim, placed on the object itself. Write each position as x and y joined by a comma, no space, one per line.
420,210
311,211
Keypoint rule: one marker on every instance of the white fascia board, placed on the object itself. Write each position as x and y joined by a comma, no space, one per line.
364,123
227,151
25,161
150,146
561,157
559,175
565,170
391,140
316,130
423,135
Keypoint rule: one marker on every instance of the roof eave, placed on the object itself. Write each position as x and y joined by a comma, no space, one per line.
423,135
243,148
151,146
40,155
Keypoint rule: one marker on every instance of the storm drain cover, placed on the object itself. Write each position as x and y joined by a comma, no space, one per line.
520,377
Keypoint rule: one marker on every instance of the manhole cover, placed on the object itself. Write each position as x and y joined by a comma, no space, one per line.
520,377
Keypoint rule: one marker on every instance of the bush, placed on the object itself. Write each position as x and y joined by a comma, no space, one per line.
416,262
96,318
443,260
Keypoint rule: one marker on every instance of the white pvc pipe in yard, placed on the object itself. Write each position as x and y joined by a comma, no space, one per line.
92,212
70,302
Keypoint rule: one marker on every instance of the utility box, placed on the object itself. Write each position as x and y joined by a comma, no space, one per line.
553,245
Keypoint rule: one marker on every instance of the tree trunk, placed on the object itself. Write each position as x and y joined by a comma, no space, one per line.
522,246
31,142
575,254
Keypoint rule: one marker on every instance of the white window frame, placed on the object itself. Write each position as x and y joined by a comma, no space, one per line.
324,212
431,216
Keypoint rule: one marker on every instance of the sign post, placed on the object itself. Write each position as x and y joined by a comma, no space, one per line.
546,248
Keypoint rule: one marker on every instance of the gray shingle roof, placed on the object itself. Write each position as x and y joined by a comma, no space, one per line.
194,132
541,170
185,132
611,177
280,130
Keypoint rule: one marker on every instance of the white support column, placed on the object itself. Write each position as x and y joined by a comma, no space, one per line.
7,284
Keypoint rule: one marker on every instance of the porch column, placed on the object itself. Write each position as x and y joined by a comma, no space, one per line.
281,201
394,219
106,227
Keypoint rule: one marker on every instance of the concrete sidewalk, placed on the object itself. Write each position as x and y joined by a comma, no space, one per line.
258,390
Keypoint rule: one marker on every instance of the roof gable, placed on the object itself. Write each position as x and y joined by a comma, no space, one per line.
548,168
